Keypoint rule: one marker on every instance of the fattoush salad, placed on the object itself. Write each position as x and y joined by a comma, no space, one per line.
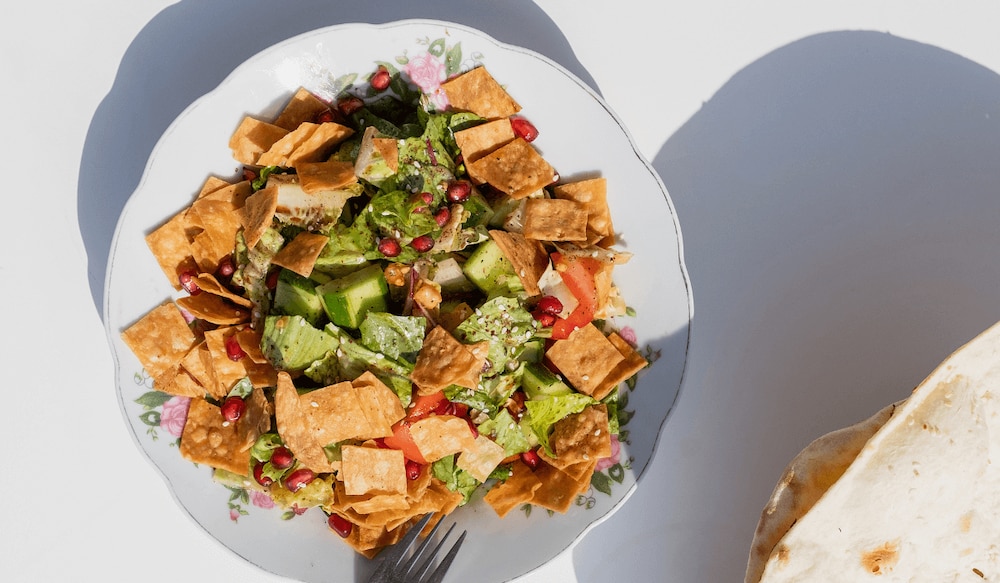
397,305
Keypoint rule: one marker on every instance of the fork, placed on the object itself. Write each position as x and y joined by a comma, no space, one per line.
398,566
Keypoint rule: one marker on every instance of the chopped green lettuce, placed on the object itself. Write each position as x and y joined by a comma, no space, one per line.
506,432
505,324
457,479
544,413
392,335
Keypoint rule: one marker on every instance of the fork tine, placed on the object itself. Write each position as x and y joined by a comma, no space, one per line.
407,569
392,557
438,575
429,562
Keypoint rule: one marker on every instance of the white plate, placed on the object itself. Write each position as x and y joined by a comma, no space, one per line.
580,136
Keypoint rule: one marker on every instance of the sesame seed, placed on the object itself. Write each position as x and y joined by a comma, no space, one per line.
314,404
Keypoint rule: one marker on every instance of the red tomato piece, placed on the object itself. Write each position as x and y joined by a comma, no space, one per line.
578,273
401,439
423,405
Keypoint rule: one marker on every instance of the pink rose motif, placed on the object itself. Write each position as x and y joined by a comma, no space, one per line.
174,415
234,514
628,335
261,499
605,463
427,71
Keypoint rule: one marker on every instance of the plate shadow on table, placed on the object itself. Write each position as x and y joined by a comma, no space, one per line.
189,48
839,203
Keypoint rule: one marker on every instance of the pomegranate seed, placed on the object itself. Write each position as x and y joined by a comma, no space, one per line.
550,305
413,470
544,318
324,116
187,282
423,243
389,247
381,79
427,197
350,104
258,474
272,279
441,217
459,191
226,267
523,129
233,408
340,525
282,457
299,479
473,428
233,349
531,459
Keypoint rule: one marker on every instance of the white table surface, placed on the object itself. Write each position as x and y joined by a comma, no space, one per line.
834,166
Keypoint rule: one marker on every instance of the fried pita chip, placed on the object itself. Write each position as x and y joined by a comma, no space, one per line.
172,248
208,283
160,339
381,405
258,213
227,372
214,309
477,141
440,435
208,439
255,420
294,431
585,358
300,254
179,382
319,176
528,258
252,138
212,183
445,361
249,339
309,142
554,219
592,193
633,362
580,437
368,470
558,489
477,91
480,460
302,107
515,169
516,490
198,363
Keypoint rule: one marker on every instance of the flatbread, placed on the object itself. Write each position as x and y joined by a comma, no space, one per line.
919,502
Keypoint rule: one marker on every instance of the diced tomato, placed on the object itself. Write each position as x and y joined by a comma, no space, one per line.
423,405
578,273
401,439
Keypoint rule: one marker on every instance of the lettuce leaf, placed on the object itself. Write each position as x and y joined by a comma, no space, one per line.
544,413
